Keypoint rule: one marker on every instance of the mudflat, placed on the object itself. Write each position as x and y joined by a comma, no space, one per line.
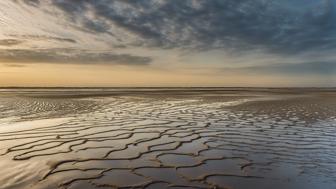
255,138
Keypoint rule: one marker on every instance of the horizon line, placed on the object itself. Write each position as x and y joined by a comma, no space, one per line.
149,87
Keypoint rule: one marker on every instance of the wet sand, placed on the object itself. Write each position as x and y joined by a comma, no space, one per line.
168,138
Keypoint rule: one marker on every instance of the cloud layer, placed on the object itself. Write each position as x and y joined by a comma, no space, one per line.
71,56
323,68
277,26
287,36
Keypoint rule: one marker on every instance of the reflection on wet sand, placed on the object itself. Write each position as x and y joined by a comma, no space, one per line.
167,139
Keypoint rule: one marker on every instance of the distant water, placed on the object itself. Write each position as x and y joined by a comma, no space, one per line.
168,138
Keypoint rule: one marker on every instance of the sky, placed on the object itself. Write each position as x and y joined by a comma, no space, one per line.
182,43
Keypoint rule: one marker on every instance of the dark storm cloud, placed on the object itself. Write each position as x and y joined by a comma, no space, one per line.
71,56
237,25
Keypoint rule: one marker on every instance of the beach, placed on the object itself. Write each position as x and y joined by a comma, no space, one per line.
167,138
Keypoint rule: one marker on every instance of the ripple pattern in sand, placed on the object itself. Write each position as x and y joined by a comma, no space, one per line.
129,142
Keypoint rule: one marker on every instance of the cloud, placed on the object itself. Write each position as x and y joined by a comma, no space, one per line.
42,38
276,26
71,56
29,2
321,68
288,29
14,65
10,42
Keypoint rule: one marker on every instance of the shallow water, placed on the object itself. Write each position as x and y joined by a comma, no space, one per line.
171,139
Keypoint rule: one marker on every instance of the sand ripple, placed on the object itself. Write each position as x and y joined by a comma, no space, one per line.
168,142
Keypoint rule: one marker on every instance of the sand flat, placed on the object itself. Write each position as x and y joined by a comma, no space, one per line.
168,138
